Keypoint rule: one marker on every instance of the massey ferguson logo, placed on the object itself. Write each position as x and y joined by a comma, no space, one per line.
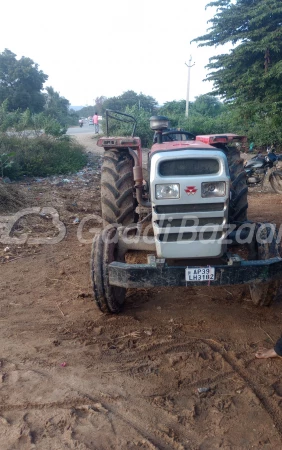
191,190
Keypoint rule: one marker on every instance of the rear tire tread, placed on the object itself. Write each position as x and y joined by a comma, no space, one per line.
239,190
117,188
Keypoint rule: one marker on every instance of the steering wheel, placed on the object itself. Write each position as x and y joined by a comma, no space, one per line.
190,136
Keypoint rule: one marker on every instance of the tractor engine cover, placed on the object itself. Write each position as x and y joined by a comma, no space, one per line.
190,191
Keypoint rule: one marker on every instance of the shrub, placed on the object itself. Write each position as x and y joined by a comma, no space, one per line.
36,145
42,155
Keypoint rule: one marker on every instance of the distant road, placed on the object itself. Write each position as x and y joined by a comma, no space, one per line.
85,129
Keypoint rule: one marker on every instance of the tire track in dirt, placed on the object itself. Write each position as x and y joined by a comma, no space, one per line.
28,405
270,406
199,382
127,363
105,404
84,403
163,347
157,438
164,417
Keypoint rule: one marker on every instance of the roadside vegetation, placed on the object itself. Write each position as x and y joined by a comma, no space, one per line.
208,114
249,77
39,156
36,145
33,123
247,95
246,99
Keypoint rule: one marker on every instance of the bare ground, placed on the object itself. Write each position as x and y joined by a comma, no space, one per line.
72,378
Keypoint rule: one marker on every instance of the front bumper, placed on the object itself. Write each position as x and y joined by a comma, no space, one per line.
160,274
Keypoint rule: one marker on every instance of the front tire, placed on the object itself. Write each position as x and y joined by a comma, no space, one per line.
109,298
276,181
262,294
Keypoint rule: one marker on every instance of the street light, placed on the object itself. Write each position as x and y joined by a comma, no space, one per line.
188,85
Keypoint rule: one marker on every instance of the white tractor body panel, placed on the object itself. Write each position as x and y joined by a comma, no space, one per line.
191,226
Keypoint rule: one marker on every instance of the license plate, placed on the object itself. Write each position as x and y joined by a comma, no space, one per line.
199,274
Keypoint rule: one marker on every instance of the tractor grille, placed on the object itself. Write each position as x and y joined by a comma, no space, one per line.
189,167
184,224
174,237
189,208
190,222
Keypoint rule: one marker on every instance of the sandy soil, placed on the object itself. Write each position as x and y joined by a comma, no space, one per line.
176,370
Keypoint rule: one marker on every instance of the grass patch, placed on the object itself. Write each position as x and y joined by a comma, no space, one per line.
42,155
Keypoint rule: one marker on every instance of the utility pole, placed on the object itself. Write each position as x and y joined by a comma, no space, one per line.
189,65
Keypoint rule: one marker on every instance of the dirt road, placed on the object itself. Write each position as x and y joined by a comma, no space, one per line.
72,378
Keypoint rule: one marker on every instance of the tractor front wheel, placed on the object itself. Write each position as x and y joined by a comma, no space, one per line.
262,294
104,251
276,181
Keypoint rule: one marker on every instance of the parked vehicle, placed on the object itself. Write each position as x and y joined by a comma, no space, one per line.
195,196
261,168
90,122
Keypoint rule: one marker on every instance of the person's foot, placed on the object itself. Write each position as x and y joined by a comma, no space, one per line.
264,353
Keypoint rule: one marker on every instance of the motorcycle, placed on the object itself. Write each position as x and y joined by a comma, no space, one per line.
81,123
260,168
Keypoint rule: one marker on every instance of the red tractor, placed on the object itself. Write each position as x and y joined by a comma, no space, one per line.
187,211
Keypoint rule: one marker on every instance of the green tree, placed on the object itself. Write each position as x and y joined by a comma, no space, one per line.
130,99
8,118
86,111
90,110
207,105
56,106
99,105
250,76
205,115
252,70
21,83
173,110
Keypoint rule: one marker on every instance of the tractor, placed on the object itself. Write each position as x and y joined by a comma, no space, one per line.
185,210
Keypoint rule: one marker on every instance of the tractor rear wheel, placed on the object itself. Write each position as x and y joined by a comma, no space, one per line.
117,200
104,251
239,190
262,294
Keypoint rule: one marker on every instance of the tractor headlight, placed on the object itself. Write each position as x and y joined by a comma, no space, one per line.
167,191
214,189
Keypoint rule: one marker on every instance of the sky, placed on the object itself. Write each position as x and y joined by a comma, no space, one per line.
92,48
